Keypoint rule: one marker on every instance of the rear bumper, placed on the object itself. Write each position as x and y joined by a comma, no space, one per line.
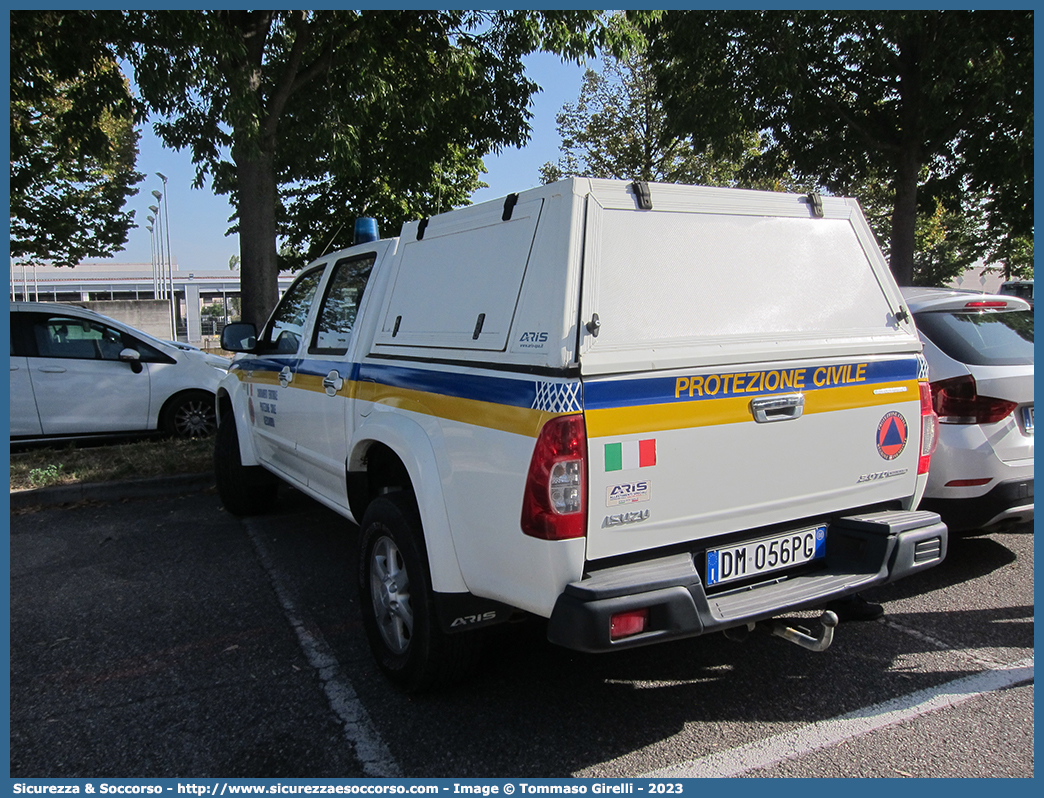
1008,502
862,551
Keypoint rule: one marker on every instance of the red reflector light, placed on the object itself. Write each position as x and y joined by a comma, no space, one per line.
626,624
553,506
968,483
983,303
957,401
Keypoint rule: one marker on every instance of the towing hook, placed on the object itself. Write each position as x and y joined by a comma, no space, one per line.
782,627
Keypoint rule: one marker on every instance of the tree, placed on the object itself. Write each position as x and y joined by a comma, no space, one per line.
310,119
939,103
617,129
73,142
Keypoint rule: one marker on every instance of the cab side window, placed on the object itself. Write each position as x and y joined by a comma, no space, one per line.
341,305
286,326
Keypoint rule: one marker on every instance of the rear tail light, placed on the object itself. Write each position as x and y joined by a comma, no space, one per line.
553,504
626,624
957,401
929,429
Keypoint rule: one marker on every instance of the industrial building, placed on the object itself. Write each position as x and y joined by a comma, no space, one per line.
186,305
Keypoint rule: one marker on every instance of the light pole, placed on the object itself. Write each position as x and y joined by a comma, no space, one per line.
170,262
151,228
159,245
152,242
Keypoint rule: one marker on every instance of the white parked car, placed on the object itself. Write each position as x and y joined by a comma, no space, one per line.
75,373
1023,289
979,349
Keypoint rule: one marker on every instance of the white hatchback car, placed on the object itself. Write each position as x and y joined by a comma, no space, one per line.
979,349
76,373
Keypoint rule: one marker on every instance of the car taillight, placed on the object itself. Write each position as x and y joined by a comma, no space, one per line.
957,401
553,504
929,428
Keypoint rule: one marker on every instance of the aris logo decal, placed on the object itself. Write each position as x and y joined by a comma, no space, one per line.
627,493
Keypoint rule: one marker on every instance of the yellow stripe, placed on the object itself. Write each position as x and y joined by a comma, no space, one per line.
850,397
600,423
733,410
256,377
507,418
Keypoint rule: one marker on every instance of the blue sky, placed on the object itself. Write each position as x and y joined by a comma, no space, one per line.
199,218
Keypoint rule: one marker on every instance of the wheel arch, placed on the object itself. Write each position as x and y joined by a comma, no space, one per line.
171,401
224,405
397,454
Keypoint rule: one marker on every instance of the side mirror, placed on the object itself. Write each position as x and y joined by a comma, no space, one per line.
132,357
239,336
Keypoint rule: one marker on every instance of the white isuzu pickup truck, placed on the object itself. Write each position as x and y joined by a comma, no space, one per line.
640,411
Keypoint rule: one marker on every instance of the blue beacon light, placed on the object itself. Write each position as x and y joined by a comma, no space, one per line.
365,230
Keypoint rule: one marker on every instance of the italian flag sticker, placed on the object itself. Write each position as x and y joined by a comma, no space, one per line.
630,454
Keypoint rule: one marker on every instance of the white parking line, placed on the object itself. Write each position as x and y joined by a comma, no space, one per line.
374,756
795,743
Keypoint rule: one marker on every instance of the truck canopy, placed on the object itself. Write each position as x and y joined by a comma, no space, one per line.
709,276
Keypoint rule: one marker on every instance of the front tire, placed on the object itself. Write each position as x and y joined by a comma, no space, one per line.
244,490
398,604
190,415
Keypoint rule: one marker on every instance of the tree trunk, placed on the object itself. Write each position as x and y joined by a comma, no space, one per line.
259,268
909,156
904,217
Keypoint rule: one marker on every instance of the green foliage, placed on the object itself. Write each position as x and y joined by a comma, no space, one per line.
617,129
73,142
938,104
48,475
310,119
947,245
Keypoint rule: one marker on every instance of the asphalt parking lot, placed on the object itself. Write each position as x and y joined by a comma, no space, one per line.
159,636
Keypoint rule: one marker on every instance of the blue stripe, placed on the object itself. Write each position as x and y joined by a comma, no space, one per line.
497,390
256,363
604,394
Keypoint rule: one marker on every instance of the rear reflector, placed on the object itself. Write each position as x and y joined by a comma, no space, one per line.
626,624
968,483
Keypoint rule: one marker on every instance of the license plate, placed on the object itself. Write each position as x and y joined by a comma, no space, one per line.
1027,419
766,555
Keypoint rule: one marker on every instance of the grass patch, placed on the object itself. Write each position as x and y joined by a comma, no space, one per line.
40,468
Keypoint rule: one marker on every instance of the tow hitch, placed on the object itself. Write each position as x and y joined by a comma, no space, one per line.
787,629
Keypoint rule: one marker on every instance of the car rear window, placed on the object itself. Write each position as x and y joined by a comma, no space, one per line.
981,338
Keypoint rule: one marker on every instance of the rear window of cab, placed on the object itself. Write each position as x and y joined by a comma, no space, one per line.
981,338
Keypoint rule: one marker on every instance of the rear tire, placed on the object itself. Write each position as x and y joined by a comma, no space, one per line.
244,490
398,604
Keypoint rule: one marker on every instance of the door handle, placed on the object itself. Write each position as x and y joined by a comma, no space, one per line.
52,369
332,382
285,377
786,407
